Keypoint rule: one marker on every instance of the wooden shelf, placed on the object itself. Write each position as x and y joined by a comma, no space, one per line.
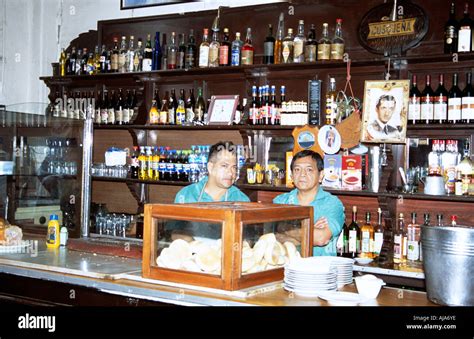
138,181
195,128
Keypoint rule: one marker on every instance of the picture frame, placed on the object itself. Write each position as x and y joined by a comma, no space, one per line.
384,117
131,4
222,109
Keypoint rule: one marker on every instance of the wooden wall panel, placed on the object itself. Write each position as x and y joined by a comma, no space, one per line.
163,194
116,196
184,139
103,139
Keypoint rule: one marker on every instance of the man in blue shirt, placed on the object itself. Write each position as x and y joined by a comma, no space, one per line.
306,168
218,185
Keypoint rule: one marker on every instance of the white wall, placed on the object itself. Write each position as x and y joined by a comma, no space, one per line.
34,31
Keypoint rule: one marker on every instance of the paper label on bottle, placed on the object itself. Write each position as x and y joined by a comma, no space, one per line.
340,242
224,55
235,57
397,246
247,57
119,115
440,108
298,55
111,116
114,61
146,65
467,111
324,51
464,39
413,252
337,51
126,115
378,242
427,109
352,241
204,56
310,53
97,116
286,53
268,48
365,242
213,56
104,115
163,117
171,119
121,61
414,109
454,109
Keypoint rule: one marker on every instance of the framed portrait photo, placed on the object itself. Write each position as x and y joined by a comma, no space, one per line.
222,109
384,119
131,4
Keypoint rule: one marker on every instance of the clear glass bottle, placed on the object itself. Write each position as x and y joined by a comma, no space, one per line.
214,49
413,248
236,51
204,50
299,43
130,55
277,53
172,52
164,53
324,44
378,234
247,49
367,238
123,55
331,103
181,56
287,48
399,242
337,43
138,57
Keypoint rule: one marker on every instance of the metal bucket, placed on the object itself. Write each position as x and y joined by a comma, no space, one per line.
448,260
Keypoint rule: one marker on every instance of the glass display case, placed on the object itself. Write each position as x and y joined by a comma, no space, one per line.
40,170
224,245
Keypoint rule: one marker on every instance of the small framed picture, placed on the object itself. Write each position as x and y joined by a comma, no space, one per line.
384,118
222,109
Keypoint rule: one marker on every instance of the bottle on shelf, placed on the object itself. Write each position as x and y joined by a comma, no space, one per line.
126,107
62,63
467,101
149,163
299,43
434,159
103,68
399,242
163,119
451,32
236,50
134,164
190,105
204,50
458,184
172,56
439,220
164,53
181,110
337,43
427,98
465,31
354,235
269,47
310,50
104,109
331,105
130,57
181,56
123,55
287,48
378,234
454,102
367,238
324,44
273,106
465,167
155,164
142,161
225,49
413,240
277,52
414,104
341,240
454,220
119,109
440,106
147,55
247,49
172,106
191,51
111,109
200,107
138,57
214,47
253,114
153,114
73,59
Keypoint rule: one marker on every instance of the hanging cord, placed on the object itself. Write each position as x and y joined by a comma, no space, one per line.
348,84
387,75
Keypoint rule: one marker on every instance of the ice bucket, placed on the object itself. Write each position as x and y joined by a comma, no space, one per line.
448,260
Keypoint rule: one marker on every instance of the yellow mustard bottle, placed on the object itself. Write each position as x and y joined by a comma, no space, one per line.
52,237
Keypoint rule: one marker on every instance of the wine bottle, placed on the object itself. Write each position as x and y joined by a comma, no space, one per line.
440,103
451,32
354,235
378,234
467,101
465,31
247,49
427,97
191,51
454,102
311,45
414,105
268,47
367,238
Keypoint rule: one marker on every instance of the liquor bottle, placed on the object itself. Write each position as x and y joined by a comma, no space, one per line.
157,54
123,55
434,159
466,168
287,48
277,52
172,106
310,50
130,58
214,47
324,44
164,52
454,102
467,101
163,120
149,163
299,43
331,106
225,49
76,62
439,220
82,61
111,109
181,110
91,63
108,62
134,164
172,52
399,242
236,50
72,62
191,51
190,105
181,58
465,31
282,103
155,164
253,113
68,64
413,242
427,97
367,238
62,63
103,60
127,108
204,50
451,32
134,107
269,47
458,190
153,115
354,235
337,43
454,220
378,234
440,106
104,109
119,108
341,240
147,55
247,49
200,107
273,106
414,106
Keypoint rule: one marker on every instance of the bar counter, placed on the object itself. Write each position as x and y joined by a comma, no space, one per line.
121,277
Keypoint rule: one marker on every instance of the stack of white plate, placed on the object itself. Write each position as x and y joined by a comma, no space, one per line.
305,278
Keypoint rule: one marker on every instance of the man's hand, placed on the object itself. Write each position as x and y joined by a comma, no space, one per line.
322,233
321,223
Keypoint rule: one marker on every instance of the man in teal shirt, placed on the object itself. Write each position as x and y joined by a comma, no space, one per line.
306,168
218,185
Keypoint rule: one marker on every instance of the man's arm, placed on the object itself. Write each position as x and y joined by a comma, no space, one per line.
330,225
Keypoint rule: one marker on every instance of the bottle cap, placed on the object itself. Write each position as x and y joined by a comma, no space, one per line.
53,217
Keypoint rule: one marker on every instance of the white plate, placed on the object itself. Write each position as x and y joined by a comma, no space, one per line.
313,293
364,261
14,248
342,298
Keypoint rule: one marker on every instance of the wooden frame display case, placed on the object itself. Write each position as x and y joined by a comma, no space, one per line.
246,241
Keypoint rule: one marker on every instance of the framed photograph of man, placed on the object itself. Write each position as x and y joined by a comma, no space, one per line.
384,119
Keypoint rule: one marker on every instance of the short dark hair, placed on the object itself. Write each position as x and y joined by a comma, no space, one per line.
219,147
308,153
385,97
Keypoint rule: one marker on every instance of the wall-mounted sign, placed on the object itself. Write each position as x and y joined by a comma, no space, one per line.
393,28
